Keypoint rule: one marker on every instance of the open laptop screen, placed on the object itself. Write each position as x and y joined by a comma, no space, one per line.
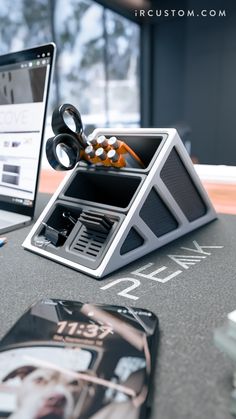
24,81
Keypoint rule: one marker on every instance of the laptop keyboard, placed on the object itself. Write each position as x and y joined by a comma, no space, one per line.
4,223
8,219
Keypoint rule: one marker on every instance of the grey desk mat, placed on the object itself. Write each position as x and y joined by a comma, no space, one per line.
192,378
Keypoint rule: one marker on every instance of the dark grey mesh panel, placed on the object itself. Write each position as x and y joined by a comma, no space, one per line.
132,241
179,183
157,216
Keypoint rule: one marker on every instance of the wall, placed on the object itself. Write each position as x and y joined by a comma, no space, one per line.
193,83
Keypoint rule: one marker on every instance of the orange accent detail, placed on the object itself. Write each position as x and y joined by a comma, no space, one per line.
134,155
119,163
106,162
107,148
124,148
84,156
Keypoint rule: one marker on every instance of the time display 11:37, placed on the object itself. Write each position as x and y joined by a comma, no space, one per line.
86,330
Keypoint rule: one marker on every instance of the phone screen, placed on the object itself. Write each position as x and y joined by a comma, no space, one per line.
68,360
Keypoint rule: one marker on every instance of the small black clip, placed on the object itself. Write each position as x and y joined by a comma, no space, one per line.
67,215
56,237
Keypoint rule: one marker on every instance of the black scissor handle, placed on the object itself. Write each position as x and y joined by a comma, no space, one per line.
69,145
59,125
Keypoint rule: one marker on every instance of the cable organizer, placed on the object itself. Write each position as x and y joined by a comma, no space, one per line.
109,217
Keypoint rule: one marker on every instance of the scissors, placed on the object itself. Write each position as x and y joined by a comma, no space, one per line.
69,142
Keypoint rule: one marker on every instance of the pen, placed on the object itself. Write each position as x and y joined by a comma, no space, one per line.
103,142
117,160
3,241
102,155
90,154
92,141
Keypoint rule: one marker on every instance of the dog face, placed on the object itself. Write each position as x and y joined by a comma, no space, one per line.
46,394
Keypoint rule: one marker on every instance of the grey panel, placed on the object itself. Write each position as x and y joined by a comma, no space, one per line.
132,241
157,216
181,186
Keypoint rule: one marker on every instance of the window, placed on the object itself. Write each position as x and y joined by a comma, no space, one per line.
122,66
97,66
97,60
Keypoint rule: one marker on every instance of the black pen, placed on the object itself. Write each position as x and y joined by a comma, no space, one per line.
3,241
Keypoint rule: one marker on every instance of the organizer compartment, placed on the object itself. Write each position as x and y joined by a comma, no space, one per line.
145,147
88,244
102,188
86,241
55,222
56,219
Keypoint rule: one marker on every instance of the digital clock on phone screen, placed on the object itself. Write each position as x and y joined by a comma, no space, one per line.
84,330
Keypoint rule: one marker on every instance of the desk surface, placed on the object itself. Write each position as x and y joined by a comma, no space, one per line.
192,378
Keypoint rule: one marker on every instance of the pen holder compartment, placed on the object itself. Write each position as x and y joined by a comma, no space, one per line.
146,147
102,188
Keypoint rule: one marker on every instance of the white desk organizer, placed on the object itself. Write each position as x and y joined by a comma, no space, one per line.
146,208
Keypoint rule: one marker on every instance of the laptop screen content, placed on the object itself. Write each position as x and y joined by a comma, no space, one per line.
23,91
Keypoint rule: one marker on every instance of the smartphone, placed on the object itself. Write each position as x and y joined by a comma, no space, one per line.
69,360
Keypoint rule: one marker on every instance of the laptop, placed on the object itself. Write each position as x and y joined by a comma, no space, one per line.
24,86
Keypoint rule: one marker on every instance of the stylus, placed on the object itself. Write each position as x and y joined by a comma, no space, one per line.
3,241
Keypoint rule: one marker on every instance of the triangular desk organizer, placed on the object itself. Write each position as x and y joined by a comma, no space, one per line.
123,214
